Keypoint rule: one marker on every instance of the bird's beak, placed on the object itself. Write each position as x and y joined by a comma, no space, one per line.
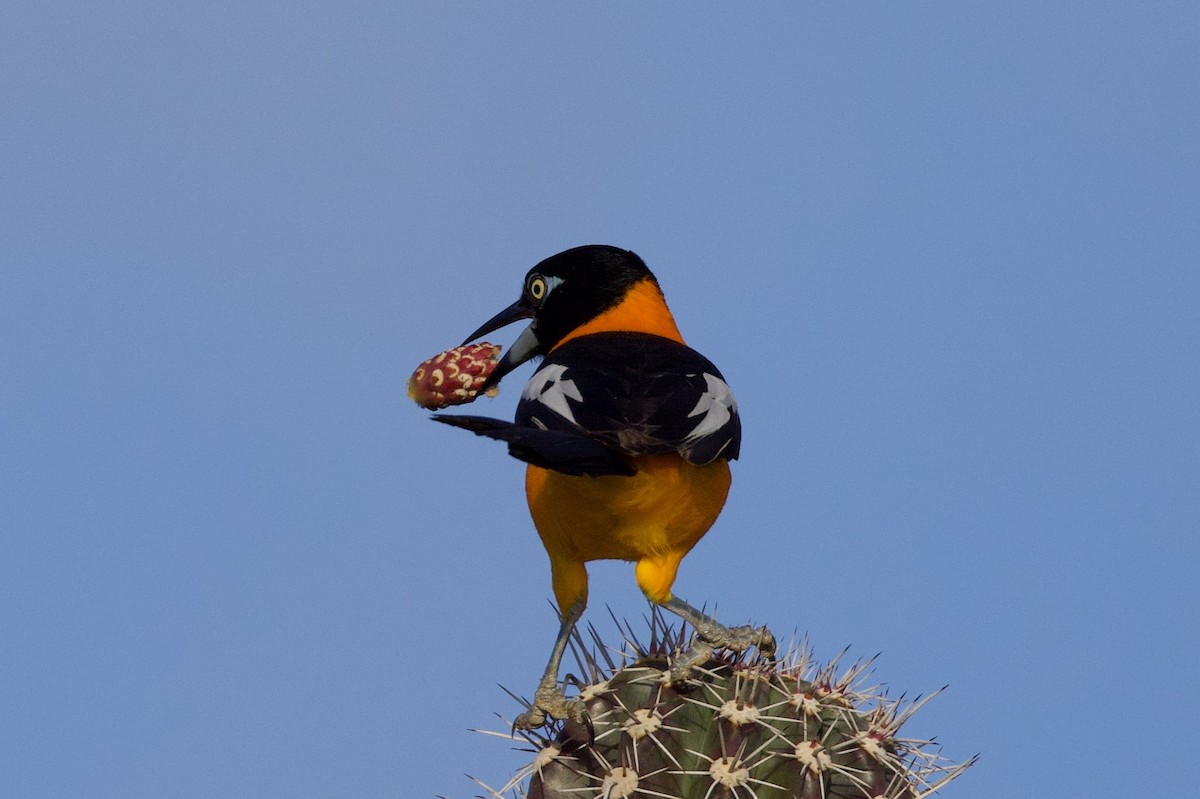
524,348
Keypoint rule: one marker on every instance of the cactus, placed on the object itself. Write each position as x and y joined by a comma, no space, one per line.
739,729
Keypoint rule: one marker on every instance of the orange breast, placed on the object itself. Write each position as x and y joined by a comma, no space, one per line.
664,509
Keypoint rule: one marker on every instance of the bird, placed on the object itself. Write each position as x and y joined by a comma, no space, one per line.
627,434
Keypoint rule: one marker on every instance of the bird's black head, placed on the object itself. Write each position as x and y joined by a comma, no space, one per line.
560,294
566,290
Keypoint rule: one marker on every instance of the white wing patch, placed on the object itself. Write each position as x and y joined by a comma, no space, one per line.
716,403
550,388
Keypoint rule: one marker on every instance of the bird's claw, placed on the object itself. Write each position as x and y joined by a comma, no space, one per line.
684,666
550,703
737,639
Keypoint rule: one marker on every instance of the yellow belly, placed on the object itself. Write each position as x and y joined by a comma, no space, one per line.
654,518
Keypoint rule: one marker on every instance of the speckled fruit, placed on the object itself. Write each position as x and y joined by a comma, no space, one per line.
453,377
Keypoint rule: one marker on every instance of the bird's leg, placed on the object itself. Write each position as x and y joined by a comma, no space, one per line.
548,699
710,635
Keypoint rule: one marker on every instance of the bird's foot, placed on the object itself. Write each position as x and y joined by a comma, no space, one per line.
736,639
683,668
549,702
739,639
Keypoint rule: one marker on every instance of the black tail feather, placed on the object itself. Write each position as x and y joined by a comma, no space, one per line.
570,453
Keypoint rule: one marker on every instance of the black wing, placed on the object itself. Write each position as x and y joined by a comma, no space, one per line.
568,452
636,393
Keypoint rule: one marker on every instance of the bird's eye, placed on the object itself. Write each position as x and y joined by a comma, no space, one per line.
537,288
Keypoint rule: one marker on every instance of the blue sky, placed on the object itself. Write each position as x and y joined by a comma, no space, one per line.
946,254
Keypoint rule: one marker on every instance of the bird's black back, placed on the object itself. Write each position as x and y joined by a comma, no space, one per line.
637,393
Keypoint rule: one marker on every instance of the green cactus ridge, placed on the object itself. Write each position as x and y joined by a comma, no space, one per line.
740,729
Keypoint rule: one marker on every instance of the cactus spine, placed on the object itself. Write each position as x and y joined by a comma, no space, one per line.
739,730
